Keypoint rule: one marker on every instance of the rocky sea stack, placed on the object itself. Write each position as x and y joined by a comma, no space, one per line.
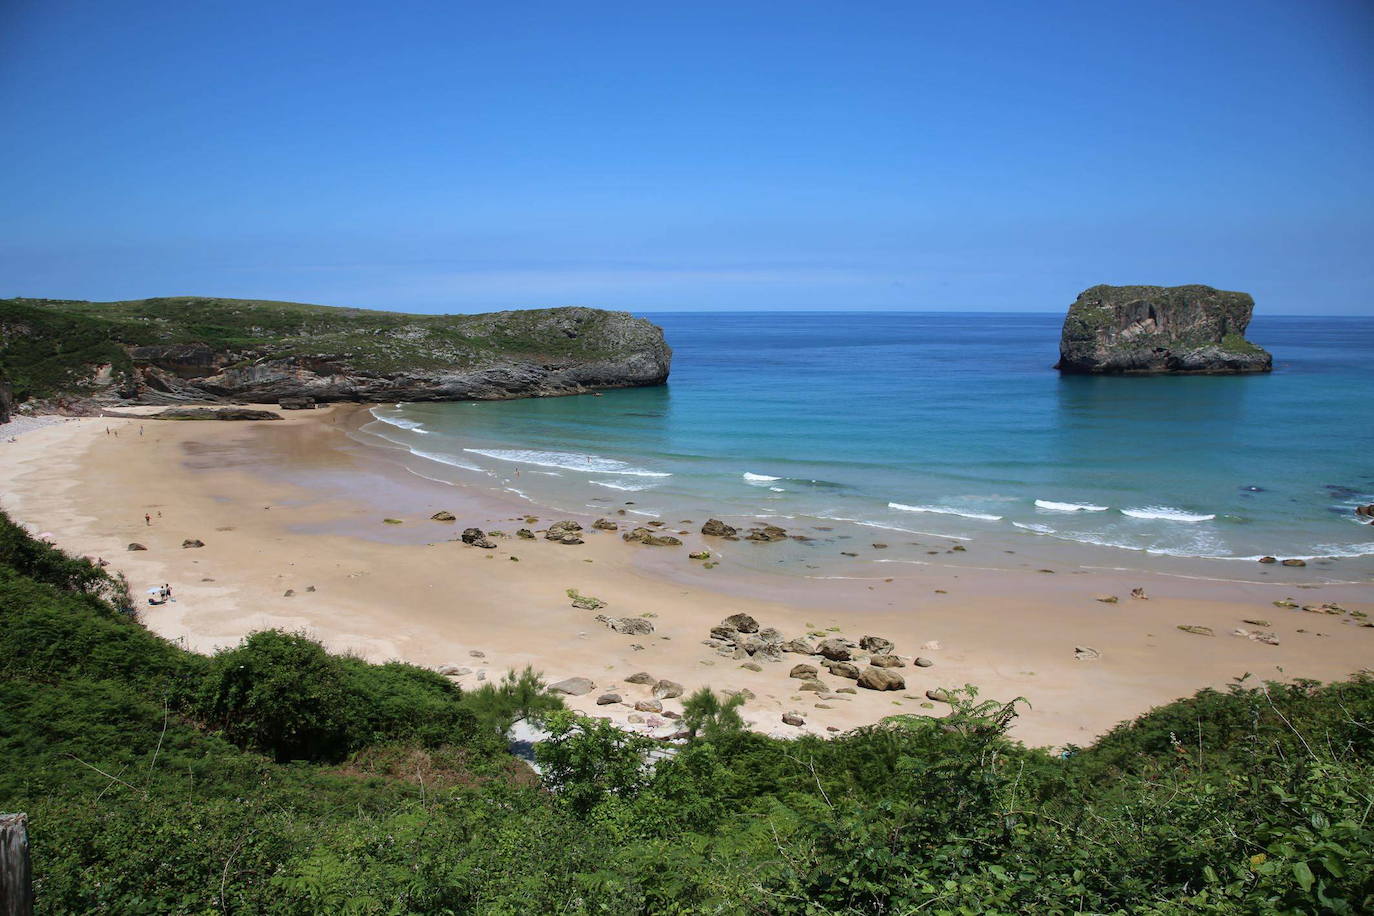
1157,330
80,355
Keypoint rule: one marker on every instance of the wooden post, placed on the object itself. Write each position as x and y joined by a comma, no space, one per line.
16,876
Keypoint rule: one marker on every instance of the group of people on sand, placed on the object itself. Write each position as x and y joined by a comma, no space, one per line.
160,595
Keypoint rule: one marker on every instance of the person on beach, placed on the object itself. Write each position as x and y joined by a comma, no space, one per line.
166,591
147,519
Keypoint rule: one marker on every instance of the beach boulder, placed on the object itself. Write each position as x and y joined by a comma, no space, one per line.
475,537
791,718
524,534
834,649
799,647
767,533
606,699
573,686
876,644
605,524
442,516
667,690
559,530
642,677
813,685
648,706
922,662
192,542
137,546
741,622
647,537
1294,562
881,679
630,626
714,527
843,669
804,672
886,661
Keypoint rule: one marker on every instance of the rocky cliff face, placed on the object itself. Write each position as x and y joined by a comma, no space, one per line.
198,350
1160,330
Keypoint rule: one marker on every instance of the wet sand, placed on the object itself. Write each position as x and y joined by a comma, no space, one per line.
298,506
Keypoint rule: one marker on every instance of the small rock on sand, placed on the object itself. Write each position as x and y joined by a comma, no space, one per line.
642,677
793,719
606,699
1196,630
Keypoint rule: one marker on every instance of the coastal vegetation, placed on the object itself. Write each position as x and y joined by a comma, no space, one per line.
276,777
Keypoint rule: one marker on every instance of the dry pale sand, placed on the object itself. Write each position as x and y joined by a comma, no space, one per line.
296,505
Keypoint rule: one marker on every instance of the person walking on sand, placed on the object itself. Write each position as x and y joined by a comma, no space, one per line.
147,519
166,591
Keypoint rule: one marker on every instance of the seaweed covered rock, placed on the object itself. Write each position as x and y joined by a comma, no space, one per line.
1157,330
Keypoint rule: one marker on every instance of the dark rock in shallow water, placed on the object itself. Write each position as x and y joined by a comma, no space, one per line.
716,528
1156,330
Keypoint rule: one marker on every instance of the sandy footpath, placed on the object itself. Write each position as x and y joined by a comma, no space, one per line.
291,516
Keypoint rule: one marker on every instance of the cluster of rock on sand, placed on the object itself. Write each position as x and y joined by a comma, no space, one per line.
870,662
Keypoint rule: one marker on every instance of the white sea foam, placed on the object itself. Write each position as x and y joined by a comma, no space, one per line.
1167,514
1038,529
945,510
759,478
447,459
1067,507
401,422
929,534
568,461
619,485
777,489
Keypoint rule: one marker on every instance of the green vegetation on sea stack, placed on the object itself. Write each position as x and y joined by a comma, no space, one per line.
275,777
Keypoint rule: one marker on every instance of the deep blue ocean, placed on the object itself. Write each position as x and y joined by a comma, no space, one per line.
947,424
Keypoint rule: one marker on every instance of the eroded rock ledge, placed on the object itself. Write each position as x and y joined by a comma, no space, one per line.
1157,330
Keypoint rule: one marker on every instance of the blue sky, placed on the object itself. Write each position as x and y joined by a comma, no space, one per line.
653,156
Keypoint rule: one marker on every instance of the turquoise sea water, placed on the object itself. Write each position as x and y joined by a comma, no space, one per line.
947,424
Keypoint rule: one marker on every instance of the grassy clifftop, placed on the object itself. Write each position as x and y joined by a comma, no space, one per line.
49,346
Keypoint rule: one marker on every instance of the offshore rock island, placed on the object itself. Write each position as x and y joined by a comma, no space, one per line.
71,356
1160,330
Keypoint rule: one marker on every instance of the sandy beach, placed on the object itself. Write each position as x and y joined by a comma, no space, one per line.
293,519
